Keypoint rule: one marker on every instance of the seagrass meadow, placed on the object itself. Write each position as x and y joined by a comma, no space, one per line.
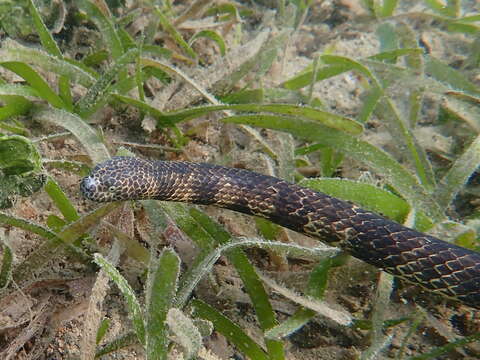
373,102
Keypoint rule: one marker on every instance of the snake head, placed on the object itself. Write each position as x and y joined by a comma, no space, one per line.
92,188
120,178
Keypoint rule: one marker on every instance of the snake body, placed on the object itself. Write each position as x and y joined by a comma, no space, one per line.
419,258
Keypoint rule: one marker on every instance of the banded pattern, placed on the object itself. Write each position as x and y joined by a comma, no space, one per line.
419,258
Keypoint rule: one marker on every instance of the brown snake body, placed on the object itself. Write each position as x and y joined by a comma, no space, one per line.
419,258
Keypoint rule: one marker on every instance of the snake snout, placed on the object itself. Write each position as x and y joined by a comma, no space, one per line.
89,188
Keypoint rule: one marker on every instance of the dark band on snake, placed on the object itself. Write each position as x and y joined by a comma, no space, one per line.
436,265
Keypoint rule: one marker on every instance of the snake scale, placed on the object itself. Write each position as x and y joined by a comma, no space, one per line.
419,258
